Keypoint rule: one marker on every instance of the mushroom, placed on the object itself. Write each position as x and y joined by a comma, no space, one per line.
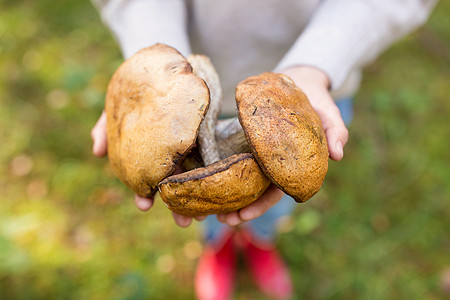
154,107
224,186
284,132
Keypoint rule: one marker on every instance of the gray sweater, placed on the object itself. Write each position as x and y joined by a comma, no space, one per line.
247,37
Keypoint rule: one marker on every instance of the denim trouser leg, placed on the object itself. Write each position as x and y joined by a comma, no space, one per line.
345,106
264,227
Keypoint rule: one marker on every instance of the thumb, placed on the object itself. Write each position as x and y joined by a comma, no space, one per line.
335,131
98,134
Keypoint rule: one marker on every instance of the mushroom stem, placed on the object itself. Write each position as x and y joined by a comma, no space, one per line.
227,127
202,67
217,139
230,138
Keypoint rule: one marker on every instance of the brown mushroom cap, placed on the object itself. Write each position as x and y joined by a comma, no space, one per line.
284,132
154,107
221,187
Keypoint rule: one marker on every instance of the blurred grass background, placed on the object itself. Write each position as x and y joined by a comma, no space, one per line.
379,229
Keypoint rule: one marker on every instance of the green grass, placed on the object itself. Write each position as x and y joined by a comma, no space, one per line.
379,229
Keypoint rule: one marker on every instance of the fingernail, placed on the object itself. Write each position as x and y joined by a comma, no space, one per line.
340,148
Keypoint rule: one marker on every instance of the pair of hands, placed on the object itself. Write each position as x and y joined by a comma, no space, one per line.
315,84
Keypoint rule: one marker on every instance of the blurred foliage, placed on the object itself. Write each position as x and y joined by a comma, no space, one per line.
379,229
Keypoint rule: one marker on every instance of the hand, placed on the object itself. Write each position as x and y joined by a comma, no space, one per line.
99,149
270,197
315,84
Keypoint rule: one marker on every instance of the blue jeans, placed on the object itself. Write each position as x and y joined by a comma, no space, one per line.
264,227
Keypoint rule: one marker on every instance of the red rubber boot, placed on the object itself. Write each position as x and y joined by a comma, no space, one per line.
214,278
268,269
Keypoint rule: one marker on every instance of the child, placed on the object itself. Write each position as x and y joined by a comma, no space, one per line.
321,45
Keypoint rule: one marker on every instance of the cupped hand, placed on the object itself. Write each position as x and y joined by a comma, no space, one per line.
315,84
99,149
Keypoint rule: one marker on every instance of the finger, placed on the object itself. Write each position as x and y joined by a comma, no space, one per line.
337,138
335,131
98,134
143,203
270,197
200,218
231,218
221,218
182,221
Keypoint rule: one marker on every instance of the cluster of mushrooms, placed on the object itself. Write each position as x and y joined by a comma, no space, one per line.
162,115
